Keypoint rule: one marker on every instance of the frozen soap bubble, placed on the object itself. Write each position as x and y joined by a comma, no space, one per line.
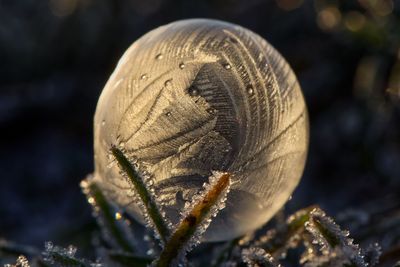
197,96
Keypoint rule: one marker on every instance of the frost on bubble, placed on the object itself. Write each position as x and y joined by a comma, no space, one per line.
258,257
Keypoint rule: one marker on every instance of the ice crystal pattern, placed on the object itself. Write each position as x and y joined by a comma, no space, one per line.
197,96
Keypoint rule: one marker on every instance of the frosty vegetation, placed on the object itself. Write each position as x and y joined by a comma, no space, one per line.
321,241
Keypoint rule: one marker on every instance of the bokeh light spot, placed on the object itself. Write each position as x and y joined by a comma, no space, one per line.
354,21
329,18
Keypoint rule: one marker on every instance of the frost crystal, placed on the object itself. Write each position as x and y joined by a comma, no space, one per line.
334,259
64,256
22,261
325,243
318,238
329,235
195,220
372,254
219,205
193,110
258,257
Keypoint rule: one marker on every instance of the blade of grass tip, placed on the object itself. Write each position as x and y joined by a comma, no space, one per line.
58,256
105,214
187,228
254,256
334,236
64,260
149,205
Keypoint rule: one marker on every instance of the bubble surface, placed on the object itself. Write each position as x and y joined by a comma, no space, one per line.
233,122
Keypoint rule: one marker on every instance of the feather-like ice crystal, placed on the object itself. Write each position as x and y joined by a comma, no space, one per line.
206,104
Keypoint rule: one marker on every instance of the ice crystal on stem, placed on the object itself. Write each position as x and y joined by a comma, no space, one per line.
334,259
325,243
372,254
22,261
58,256
334,236
208,192
317,237
195,219
258,257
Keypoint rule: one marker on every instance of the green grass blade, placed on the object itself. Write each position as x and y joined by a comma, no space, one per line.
114,231
62,260
334,236
57,256
150,208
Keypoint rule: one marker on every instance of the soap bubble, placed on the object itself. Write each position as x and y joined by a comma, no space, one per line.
260,137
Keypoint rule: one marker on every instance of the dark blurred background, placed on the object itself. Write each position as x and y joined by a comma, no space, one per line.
56,55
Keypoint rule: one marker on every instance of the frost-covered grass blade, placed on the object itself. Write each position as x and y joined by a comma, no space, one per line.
258,257
114,231
57,256
325,242
22,261
372,254
143,191
324,229
196,219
